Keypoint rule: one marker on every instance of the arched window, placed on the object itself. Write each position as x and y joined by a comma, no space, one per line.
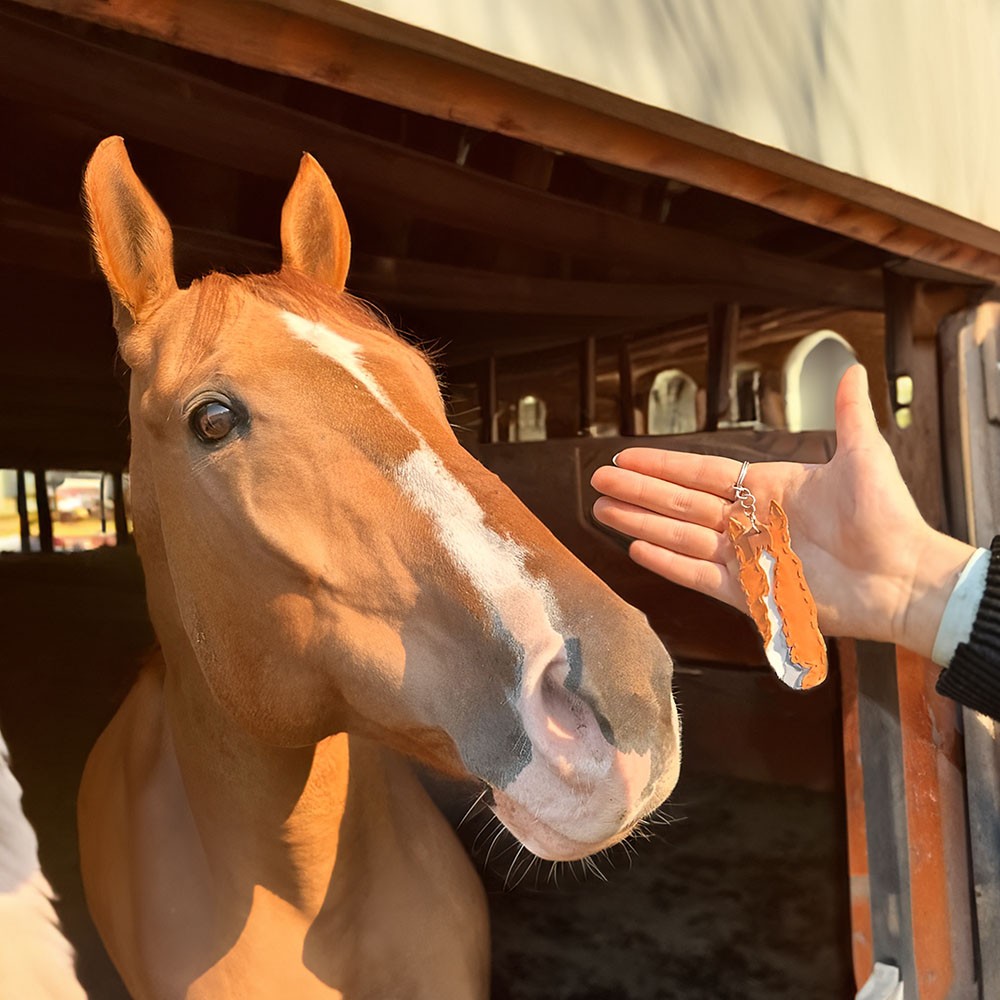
528,423
673,403
812,373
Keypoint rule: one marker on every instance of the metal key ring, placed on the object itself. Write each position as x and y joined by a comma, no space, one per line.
745,498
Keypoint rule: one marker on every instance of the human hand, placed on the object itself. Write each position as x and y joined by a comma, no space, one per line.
876,569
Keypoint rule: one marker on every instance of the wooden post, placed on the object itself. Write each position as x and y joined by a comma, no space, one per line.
488,401
857,837
900,302
588,386
626,387
122,537
723,345
22,511
907,846
44,512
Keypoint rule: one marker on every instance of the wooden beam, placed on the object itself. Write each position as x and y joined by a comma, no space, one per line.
57,242
723,346
900,298
488,401
182,111
626,387
412,283
349,49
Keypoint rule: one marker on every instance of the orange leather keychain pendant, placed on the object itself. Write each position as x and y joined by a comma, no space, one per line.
778,597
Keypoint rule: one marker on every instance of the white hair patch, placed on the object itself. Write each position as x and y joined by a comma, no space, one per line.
494,564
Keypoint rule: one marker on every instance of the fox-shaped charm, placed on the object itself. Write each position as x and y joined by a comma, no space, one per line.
779,599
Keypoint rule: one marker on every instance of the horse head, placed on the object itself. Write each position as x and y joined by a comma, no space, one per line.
313,531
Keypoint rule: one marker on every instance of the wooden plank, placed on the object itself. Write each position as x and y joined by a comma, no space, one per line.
182,111
626,387
934,779
900,299
886,815
859,885
488,401
982,753
972,444
437,286
57,242
339,46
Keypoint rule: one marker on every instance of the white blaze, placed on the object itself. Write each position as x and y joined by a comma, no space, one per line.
494,564
347,354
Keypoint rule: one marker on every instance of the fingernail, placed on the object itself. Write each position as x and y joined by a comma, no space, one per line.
614,459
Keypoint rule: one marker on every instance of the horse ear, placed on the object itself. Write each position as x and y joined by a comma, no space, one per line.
130,234
314,234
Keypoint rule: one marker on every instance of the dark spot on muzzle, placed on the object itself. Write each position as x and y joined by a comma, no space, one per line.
574,682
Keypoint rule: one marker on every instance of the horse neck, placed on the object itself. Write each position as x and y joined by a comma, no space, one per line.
265,815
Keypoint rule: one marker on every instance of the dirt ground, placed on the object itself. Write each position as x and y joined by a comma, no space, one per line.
743,896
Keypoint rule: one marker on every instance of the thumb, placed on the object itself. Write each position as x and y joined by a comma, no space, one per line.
856,424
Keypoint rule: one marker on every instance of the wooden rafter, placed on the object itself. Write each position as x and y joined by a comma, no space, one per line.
183,111
338,45
57,242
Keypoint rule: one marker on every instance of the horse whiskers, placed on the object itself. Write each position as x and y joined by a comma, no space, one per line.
592,866
486,828
489,851
553,876
520,847
478,799
659,817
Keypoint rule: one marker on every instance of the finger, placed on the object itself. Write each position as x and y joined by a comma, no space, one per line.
855,420
709,578
708,473
662,497
679,536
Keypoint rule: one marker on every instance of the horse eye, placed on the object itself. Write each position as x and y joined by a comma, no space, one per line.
212,421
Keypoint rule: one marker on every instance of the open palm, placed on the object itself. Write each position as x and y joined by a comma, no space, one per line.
872,562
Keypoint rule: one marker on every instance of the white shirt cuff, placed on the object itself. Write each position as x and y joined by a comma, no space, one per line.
960,612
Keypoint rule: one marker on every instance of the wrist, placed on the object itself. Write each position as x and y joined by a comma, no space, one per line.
937,564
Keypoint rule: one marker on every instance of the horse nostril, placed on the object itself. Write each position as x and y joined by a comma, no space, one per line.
567,715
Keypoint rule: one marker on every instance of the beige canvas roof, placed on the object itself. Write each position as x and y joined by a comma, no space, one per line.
902,93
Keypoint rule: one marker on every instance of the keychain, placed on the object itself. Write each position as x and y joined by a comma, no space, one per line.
778,597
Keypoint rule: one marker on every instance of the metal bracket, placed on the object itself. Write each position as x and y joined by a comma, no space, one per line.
883,984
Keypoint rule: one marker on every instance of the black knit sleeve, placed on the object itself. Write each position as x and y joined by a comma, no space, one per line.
973,676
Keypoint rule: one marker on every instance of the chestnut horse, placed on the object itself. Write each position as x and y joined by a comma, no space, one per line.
335,585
